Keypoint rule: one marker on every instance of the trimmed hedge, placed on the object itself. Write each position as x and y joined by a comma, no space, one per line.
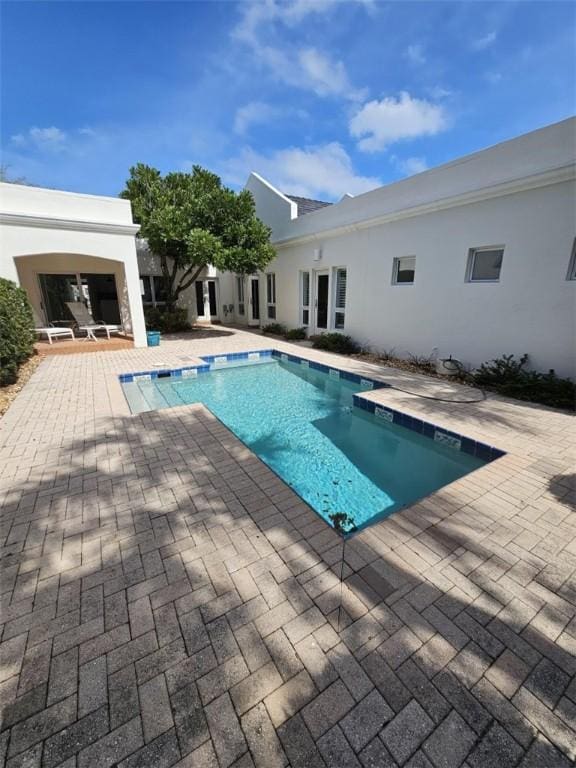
16,334
295,334
276,329
166,321
509,377
335,342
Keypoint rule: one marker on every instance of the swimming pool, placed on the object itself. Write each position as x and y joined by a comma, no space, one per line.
310,426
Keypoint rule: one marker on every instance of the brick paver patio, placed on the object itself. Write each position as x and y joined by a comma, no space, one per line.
168,601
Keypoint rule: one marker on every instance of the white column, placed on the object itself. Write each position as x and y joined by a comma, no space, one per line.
132,277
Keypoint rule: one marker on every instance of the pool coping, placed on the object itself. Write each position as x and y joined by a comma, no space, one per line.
384,413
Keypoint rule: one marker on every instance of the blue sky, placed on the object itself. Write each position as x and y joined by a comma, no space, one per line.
322,97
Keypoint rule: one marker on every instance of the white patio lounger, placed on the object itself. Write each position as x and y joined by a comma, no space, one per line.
54,333
86,322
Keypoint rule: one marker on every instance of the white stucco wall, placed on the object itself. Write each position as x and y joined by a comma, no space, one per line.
43,230
520,195
274,208
531,309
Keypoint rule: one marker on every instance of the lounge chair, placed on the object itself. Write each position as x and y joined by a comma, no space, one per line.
55,333
86,322
51,331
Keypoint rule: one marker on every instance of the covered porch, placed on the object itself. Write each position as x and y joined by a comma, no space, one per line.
75,256
74,291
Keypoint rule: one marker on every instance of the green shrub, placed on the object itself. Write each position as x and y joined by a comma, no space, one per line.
16,334
166,321
509,377
276,329
295,334
335,342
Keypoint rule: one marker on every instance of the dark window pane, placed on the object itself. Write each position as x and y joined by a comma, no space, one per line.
146,289
405,269
405,276
305,316
159,289
486,265
271,312
200,298
339,320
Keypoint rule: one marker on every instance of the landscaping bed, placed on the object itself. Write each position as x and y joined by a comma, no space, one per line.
8,394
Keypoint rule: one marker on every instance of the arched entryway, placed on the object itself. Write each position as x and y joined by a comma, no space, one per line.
58,283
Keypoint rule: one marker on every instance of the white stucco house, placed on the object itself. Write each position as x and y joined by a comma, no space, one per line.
474,259
62,246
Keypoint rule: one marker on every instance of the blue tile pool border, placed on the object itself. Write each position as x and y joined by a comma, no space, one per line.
439,434
382,413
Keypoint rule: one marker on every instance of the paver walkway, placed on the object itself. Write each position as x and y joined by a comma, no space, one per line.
168,601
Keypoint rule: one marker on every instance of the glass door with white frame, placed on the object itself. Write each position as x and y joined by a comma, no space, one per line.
254,316
97,292
206,300
321,301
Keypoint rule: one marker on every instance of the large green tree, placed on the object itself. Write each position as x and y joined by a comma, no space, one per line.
191,220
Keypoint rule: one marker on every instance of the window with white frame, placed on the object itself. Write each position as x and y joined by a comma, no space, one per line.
484,264
305,298
152,290
240,292
340,299
403,270
271,295
572,266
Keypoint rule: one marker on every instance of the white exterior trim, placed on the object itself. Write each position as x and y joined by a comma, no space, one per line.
566,173
52,222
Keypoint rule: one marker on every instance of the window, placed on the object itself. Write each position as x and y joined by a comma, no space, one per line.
271,295
484,265
159,290
572,266
305,298
152,290
146,289
240,291
340,299
403,270
199,286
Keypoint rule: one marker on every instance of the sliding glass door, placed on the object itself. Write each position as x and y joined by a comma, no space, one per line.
96,292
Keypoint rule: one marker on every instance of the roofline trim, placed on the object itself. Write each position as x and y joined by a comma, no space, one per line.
547,178
78,225
272,188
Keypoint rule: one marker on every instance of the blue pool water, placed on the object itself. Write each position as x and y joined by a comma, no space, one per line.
302,424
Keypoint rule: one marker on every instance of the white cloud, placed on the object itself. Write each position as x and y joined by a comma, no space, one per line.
381,123
325,76
438,92
481,43
410,166
42,138
323,171
253,113
288,12
302,67
415,54
259,112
